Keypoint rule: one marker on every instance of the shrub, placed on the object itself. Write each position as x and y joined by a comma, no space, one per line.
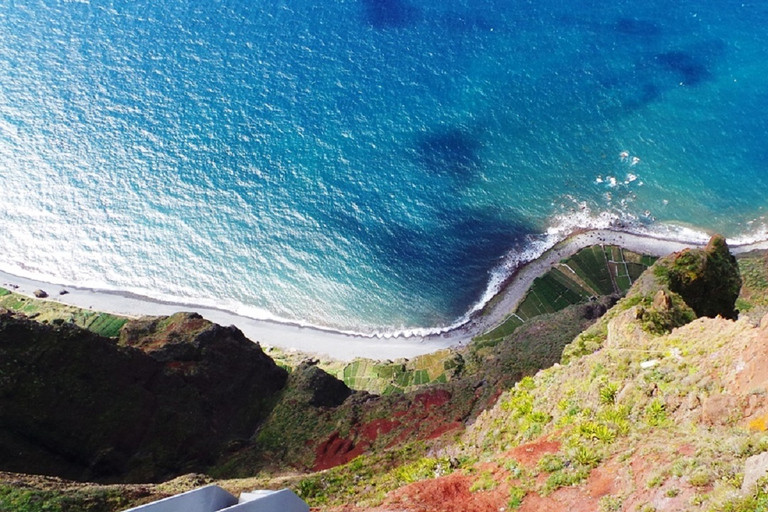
586,457
422,469
608,393
610,503
655,413
550,463
565,477
485,482
700,477
516,497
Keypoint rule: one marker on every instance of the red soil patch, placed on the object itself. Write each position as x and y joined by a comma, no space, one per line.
529,454
431,399
382,426
424,417
446,494
604,480
571,499
445,428
687,450
336,451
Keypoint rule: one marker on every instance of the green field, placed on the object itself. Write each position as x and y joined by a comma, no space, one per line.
397,377
594,271
48,311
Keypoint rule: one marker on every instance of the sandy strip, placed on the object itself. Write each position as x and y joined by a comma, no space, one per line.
286,336
347,347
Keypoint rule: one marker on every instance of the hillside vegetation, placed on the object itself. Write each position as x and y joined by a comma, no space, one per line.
659,404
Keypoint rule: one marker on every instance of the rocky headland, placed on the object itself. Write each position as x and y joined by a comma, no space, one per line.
579,399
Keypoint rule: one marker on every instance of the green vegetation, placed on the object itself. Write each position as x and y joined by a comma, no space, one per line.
516,496
386,377
48,311
21,499
708,280
369,477
753,298
591,272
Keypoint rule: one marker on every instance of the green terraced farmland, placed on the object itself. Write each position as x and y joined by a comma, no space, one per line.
397,377
591,265
505,329
593,271
105,324
48,311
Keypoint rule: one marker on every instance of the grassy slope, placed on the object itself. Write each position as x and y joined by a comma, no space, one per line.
48,311
653,421
602,413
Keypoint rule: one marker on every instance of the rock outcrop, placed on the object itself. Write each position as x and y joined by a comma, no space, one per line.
80,406
707,279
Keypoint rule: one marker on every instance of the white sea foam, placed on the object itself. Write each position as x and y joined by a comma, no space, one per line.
534,246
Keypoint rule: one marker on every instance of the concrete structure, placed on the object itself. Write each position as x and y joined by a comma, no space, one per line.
213,498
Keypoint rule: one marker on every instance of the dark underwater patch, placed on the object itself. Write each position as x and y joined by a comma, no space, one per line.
447,262
690,68
641,95
451,262
451,152
383,14
635,27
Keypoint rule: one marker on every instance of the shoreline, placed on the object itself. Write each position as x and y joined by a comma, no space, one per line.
346,346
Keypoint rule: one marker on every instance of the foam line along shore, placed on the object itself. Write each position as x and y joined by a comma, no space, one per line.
346,346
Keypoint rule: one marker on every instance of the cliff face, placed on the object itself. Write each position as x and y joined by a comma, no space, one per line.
708,280
653,407
81,406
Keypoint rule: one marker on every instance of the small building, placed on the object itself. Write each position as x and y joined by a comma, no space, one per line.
213,498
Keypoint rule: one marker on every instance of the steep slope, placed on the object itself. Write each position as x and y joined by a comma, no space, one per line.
655,406
652,410
77,405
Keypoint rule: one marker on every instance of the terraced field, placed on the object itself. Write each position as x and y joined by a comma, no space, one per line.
48,311
397,377
594,271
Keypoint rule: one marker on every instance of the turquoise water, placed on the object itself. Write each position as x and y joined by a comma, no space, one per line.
367,165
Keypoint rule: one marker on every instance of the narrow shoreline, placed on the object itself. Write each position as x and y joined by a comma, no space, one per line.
344,346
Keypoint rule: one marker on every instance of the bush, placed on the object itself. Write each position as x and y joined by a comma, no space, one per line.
516,497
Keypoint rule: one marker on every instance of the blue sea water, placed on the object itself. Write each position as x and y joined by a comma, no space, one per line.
366,165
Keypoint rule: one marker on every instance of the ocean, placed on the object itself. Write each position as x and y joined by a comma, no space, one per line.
372,166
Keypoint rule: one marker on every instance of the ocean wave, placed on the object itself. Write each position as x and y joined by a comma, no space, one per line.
562,227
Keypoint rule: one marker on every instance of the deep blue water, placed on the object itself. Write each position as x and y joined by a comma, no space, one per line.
370,165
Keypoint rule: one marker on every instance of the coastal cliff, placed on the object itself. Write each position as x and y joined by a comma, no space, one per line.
658,404
164,399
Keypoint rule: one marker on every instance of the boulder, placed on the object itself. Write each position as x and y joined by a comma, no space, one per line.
40,294
321,388
707,279
755,468
721,410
